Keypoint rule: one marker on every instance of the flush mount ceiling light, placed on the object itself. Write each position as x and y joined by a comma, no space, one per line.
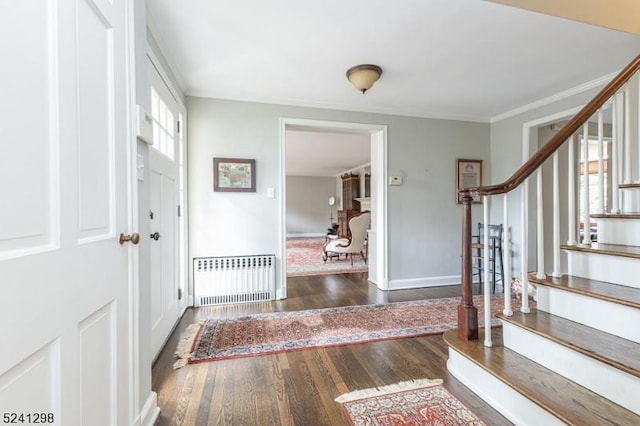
363,76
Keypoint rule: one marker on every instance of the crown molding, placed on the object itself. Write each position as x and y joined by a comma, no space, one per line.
153,29
341,107
555,98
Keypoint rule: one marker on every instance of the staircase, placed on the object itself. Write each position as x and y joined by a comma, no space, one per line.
575,358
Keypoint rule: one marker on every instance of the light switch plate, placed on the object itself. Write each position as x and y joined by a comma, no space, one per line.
144,125
395,180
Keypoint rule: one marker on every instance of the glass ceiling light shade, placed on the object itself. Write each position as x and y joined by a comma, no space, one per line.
363,76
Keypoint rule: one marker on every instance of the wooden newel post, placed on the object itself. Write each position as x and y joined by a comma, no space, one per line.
467,313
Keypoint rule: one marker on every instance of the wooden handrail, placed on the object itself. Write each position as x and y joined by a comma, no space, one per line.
467,312
556,141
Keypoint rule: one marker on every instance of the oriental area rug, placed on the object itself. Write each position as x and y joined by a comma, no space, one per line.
416,402
304,257
268,333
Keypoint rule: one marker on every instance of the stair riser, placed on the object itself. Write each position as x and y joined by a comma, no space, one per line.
631,199
619,231
613,269
600,314
506,400
615,385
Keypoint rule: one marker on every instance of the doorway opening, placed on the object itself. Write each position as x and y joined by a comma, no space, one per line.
324,191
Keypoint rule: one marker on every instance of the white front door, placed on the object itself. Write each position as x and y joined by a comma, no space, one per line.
163,203
65,333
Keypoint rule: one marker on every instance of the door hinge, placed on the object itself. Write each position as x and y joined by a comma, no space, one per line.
178,126
179,294
179,210
150,215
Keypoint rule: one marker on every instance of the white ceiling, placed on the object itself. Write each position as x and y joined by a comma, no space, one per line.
457,59
321,153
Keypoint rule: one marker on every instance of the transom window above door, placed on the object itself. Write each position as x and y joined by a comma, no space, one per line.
164,124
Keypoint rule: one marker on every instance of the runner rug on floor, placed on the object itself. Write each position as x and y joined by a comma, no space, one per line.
216,339
416,402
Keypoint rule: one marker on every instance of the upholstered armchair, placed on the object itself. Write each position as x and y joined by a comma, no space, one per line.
355,244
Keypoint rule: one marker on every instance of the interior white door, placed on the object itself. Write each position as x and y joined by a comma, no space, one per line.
65,305
163,203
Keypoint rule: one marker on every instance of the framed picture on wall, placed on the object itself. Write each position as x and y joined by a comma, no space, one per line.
234,175
469,175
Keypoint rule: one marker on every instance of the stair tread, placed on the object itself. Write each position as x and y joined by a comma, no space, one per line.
604,347
570,402
628,185
634,215
609,249
616,293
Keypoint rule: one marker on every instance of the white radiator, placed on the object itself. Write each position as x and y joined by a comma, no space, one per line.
234,279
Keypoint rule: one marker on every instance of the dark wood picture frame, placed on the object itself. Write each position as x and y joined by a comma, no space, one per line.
468,174
234,175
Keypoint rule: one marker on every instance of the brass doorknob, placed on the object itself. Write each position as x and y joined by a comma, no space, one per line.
133,238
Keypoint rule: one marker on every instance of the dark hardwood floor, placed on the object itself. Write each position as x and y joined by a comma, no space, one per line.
298,388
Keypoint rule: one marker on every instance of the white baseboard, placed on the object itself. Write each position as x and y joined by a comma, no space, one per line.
424,282
306,235
150,411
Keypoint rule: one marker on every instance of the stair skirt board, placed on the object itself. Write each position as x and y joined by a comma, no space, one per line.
506,400
603,267
603,315
613,384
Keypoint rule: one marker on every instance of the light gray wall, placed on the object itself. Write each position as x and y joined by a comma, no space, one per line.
424,221
506,158
308,209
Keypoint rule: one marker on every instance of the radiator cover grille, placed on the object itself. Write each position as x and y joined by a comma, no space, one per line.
233,279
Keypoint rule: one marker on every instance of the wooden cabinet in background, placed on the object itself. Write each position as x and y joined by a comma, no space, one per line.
350,190
367,185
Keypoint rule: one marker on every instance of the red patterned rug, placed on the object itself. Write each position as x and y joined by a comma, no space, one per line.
259,334
304,257
419,402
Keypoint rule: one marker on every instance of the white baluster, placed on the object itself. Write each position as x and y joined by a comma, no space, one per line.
556,218
627,135
487,284
586,228
524,227
506,258
571,178
601,204
540,226
524,255
615,157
